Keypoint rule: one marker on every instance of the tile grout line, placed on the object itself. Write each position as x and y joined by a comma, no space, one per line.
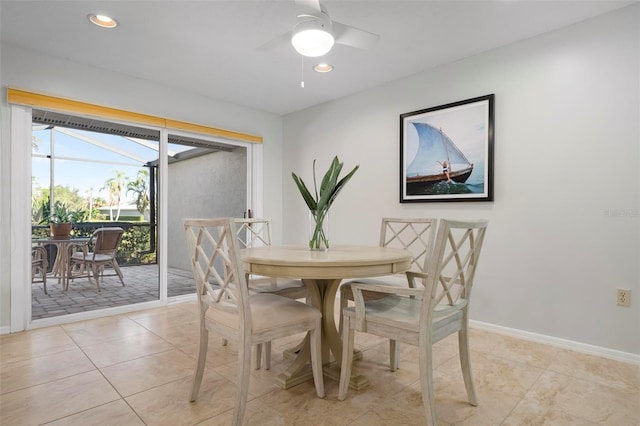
122,398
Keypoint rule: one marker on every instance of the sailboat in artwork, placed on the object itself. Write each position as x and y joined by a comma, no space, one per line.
428,166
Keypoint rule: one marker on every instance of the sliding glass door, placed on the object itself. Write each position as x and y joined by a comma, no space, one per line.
206,178
103,180
111,175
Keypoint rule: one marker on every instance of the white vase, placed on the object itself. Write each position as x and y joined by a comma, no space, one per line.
318,233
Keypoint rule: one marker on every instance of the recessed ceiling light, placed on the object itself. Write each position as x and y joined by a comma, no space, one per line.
323,67
103,21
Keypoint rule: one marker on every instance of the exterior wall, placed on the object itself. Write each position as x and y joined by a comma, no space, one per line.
213,185
564,229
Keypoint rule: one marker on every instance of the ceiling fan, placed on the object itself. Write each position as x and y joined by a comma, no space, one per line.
314,33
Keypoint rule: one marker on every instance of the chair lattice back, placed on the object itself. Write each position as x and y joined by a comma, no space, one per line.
216,265
253,232
414,235
453,265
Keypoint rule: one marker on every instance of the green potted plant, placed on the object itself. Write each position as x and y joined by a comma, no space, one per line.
61,219
319,205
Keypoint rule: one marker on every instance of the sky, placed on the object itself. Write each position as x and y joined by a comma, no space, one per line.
466,125
85,166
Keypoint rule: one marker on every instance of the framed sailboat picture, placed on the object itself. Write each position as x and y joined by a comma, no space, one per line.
446,152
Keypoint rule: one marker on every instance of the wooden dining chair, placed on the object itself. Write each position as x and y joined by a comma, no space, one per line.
256,232
227,309
413,234
435,305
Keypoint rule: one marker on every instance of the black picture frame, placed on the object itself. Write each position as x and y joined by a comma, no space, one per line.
446,152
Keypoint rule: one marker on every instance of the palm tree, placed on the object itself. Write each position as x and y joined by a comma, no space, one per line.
139,187
90,195
114,186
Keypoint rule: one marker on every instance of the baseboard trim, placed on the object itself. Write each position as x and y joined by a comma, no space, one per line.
184,298
5,329
558,342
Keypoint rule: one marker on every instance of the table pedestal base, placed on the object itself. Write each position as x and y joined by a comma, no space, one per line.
286,381
322,295
292,353
357,382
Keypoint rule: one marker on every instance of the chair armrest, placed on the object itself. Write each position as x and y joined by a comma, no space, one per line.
411,277
358,297
389,289
71,248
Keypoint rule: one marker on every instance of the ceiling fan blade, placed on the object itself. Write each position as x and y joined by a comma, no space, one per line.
280,41
354,37
308,6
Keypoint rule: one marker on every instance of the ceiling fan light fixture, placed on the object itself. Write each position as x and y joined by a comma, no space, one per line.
311,38
103,21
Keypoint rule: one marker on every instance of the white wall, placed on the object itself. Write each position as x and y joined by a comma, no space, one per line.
23,69
566,167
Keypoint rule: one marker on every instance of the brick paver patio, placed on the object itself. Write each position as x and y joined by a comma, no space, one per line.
141,285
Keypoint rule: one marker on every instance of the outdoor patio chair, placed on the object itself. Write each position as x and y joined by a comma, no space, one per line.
227,309
433,306
39,266
85,263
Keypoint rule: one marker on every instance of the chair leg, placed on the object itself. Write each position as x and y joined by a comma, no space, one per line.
200,363
70,268
116,267
316,358
244,367
258,355
343,304
82,269
96,275
347,358
394,355
35,270
267,355
465,363
426,383
44,279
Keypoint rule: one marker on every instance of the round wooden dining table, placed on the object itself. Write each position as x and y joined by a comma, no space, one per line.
322,272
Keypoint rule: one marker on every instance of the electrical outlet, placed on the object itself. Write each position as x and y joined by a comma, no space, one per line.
624,297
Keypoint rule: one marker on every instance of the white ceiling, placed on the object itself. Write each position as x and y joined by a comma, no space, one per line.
209,47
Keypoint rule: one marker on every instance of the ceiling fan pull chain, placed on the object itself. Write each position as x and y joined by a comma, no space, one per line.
302,71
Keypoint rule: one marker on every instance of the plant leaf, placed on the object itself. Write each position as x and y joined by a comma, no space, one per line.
330,187
306,195
315,185
329,184
341,185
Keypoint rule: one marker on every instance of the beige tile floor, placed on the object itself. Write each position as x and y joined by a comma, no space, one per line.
135,369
